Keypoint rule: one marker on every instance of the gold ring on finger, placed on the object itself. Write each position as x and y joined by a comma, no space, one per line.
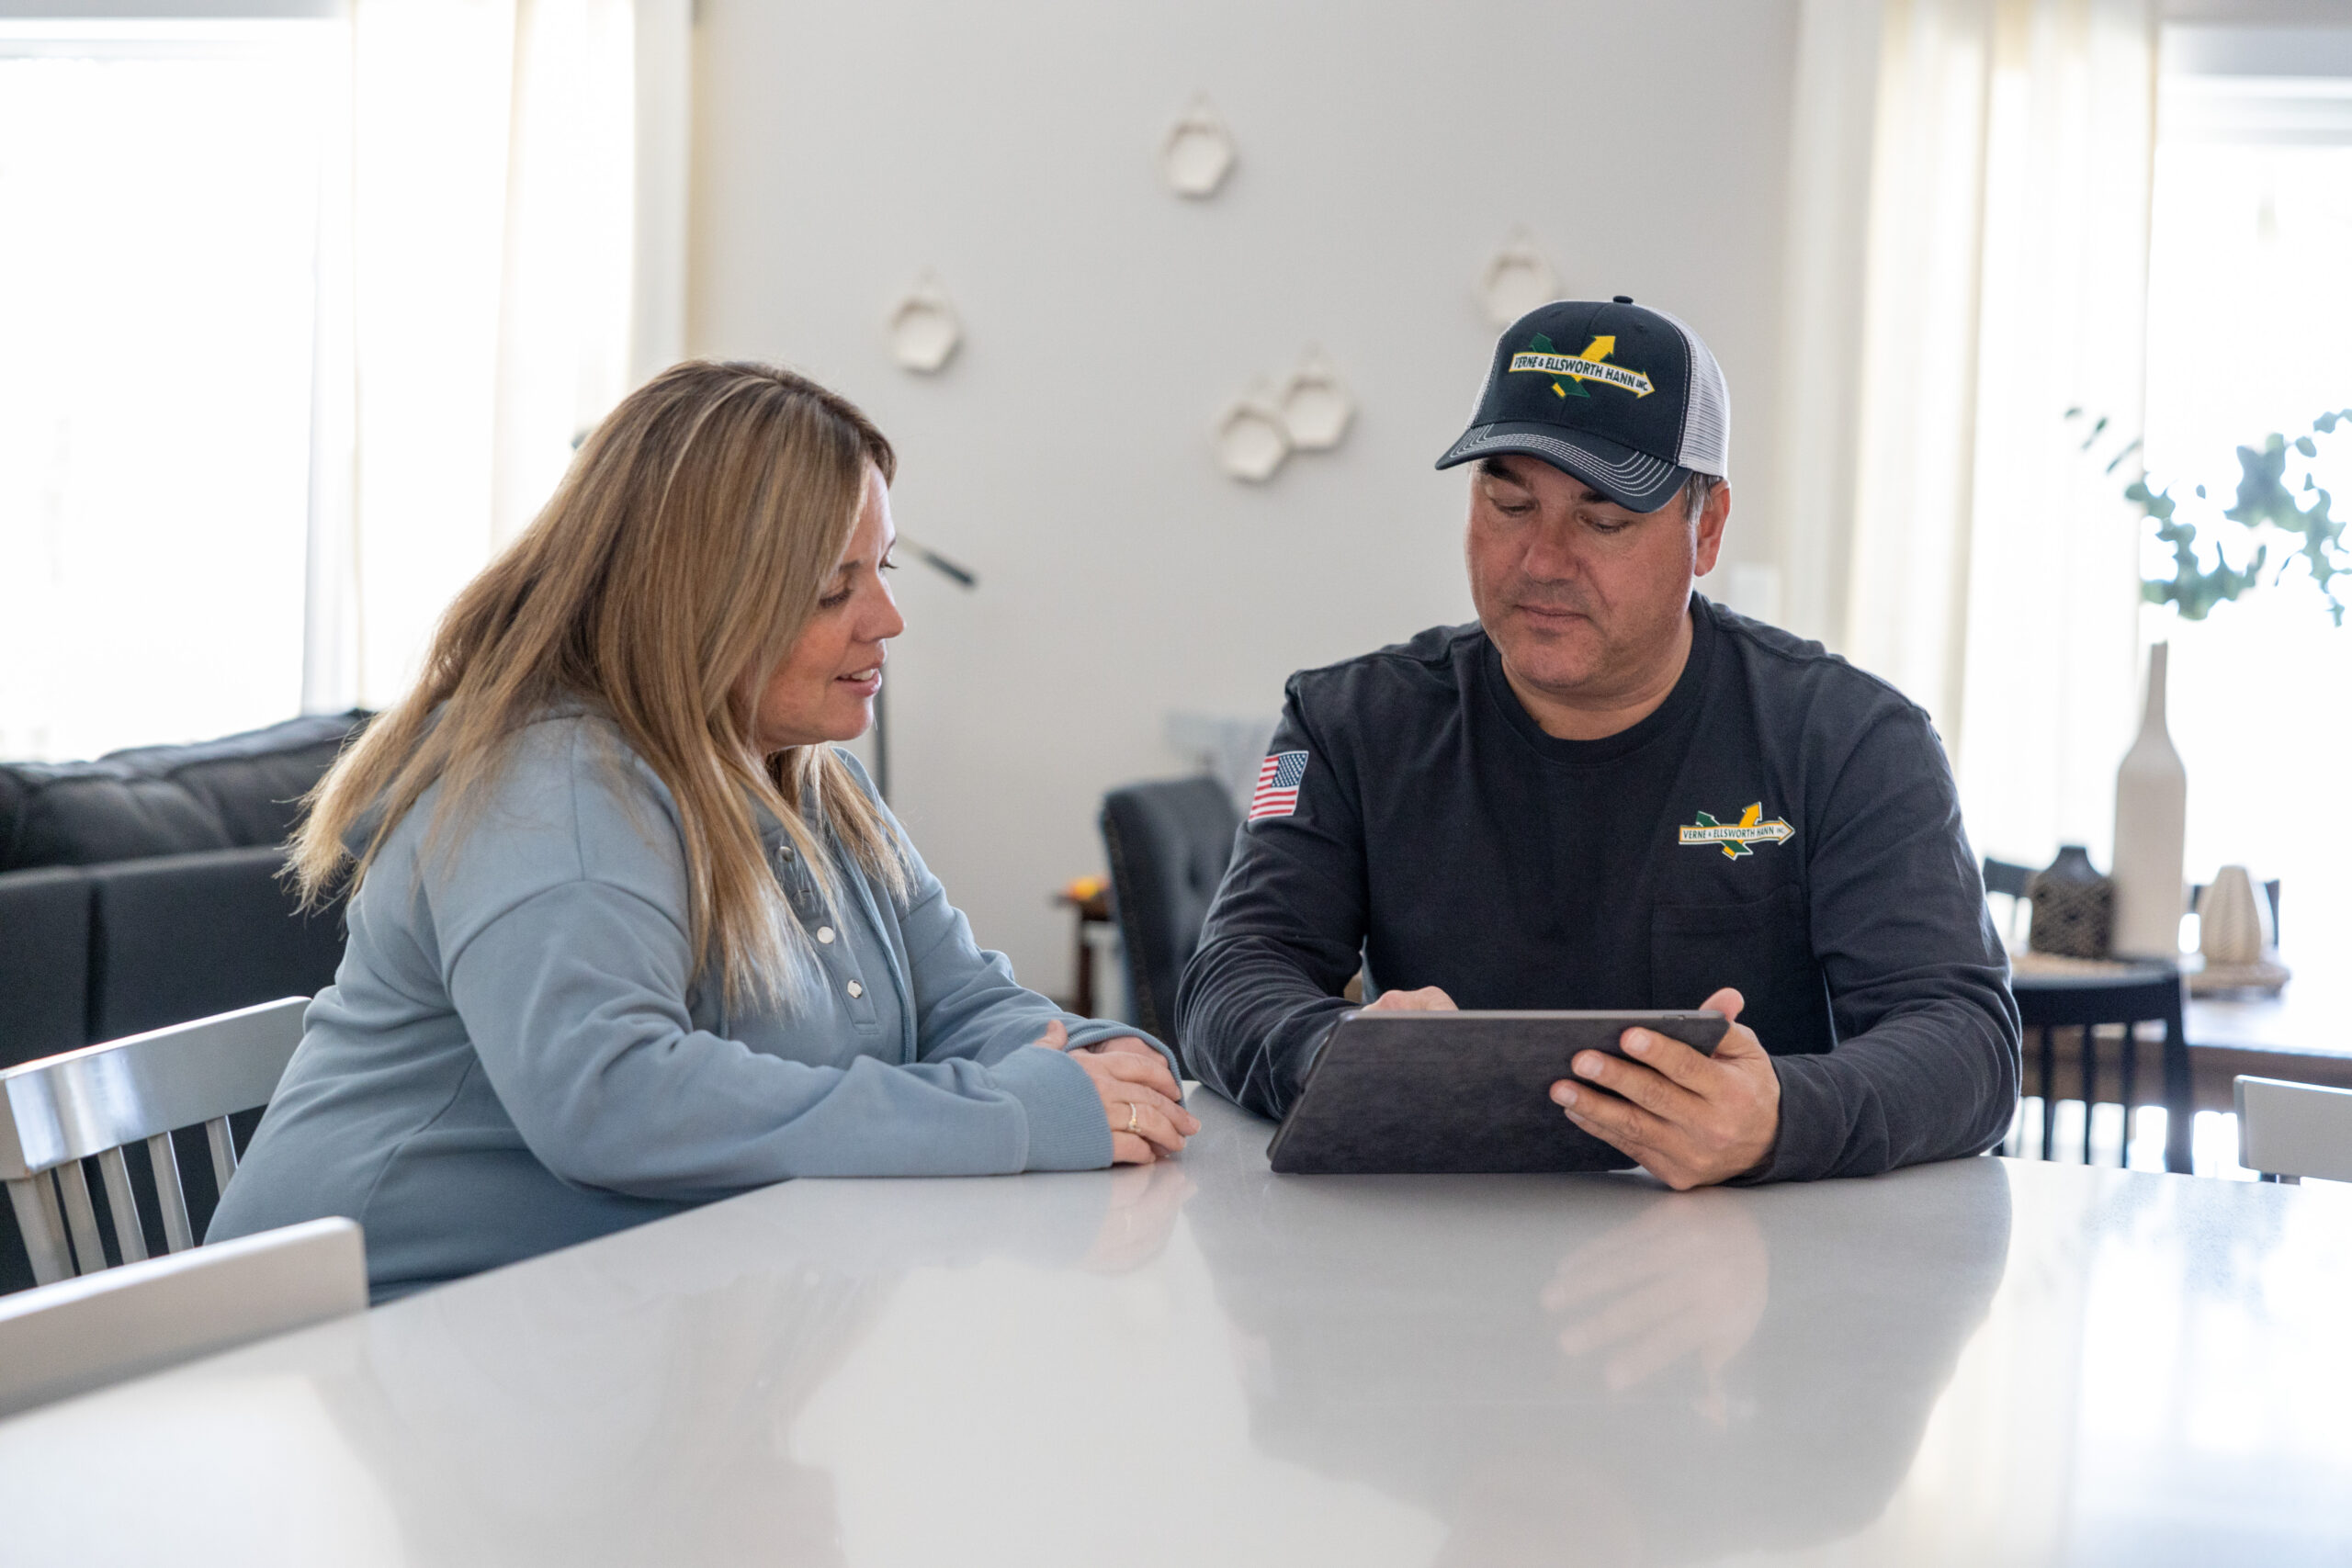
1131,1116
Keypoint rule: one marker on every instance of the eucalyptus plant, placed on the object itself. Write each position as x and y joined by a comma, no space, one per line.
2266,507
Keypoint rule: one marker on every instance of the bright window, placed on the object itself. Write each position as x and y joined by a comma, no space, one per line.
159,187
2250,332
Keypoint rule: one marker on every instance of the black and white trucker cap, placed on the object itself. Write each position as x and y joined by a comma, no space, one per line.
1622,397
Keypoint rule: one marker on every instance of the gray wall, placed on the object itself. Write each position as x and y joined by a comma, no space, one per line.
1385,153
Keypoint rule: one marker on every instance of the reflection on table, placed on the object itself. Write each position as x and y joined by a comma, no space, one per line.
1594,1369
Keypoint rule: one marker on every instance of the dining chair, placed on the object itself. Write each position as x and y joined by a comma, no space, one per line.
2009,881
2288,1130
93,1103
2146,993
1168,843
66,1338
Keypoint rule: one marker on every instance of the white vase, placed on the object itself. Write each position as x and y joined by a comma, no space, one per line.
2229,919
2151,828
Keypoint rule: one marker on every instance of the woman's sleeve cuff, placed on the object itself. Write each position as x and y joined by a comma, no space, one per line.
1068,1130
1095,1031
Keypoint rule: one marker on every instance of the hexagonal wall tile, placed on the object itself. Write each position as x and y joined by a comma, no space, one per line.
1198,153
1517,279
1316,408
924,328
1251,438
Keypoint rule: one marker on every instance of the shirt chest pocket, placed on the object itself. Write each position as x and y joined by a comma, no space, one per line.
1762,948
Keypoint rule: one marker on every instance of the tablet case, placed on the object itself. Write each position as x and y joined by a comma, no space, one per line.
1395,1093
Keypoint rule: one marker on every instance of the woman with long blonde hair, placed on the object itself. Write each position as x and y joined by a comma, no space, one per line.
628,931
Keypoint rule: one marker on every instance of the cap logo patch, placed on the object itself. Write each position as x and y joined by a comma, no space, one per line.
1735,838
1542,357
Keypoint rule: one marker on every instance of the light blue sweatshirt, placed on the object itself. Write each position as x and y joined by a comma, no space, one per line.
515,1055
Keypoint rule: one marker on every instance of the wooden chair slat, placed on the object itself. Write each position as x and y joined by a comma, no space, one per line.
38,1221
178,1235
224,1150
81,1219
129,1239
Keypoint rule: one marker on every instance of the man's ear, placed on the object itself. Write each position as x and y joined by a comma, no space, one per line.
1712,518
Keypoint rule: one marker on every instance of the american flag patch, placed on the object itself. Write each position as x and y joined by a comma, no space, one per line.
1278,778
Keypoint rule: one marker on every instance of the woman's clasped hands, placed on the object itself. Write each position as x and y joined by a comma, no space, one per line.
1140,1096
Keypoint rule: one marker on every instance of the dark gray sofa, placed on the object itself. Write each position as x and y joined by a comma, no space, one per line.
141,890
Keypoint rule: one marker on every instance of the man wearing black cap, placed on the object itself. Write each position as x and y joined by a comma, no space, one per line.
1610,793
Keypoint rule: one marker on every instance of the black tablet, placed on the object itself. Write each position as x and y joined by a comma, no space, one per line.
1461,1092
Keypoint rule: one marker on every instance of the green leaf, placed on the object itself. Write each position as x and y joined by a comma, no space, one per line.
2261,504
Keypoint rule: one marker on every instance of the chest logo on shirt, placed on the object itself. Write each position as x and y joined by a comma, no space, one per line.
1735,838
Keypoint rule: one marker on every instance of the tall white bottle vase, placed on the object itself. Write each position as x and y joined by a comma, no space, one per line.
2151,828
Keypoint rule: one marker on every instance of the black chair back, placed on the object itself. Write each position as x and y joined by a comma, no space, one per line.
2152,994
1169,843
2006,877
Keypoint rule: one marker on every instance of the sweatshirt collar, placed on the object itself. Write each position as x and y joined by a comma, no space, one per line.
1669,718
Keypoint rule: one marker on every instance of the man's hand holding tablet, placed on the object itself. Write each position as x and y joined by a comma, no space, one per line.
1690,1120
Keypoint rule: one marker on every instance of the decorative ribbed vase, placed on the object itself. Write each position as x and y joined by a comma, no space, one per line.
2151,831
2229,920
2074,907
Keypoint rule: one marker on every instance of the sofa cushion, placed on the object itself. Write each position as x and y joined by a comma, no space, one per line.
44,962
187,936
241,790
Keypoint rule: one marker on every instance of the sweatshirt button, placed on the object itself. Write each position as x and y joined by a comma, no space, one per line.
824,933
855,989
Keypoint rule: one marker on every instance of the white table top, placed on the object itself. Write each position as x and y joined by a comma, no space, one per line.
1977,1362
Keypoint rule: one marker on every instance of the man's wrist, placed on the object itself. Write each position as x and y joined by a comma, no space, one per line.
1756,1172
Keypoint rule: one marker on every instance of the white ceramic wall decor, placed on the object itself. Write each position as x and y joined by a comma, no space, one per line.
925,329
1517,279
1251,439
1198,153
1316,408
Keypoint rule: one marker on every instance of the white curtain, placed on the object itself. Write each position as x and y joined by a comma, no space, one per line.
503,255
1999,240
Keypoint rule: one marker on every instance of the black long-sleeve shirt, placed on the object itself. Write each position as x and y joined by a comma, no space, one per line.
1783,824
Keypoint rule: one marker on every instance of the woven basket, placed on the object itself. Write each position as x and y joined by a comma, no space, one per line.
2074,907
